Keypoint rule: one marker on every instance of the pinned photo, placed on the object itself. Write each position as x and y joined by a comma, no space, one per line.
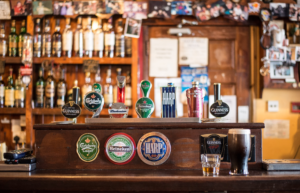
136,10
215,9
279,9
114,7
133,27
227,8
239,13
21,7
85,7
294,12
254,7
278,71
181,8
5,10
276,54
63,8
297,53
42,7
202,13
159,9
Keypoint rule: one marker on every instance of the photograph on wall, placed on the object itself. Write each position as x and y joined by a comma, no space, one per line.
276,54
227,8
297,53
254,7
159,9
279,9
278,71
114,7
133,27
181,8
294,12
63,8
136,10
5,10
239,13
202,13
42,7
21,7
85,7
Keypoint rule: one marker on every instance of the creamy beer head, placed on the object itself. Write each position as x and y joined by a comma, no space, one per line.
239,131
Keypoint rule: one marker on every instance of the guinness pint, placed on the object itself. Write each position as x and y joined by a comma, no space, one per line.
239,144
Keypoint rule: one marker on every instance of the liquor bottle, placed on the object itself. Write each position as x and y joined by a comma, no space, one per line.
115,91
13,40
67,39
47,40
128,99
195,100
56,40
109,39
61,90
98,78
50,90
78,39
2,92
120,40
87,87
10,90
37,39
40,85
19,92
128,46
88,39
21,38
99,40
108,90
3,41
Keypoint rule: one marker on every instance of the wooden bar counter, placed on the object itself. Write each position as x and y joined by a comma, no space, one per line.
59,168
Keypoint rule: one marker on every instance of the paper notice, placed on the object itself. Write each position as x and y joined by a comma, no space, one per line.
193,51
276,128
163,57
243,114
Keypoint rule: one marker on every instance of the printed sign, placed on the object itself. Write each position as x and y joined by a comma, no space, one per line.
90,66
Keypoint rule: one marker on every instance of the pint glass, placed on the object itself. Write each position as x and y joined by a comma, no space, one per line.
239,144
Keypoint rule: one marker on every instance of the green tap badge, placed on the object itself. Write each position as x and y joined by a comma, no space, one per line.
144,107
87,147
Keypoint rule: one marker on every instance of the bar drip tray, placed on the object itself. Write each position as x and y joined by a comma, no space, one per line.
281,164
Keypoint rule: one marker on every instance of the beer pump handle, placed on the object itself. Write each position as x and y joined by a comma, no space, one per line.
75,95
217,91
97,87
146,87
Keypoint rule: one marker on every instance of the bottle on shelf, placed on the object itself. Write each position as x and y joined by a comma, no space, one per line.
78,39
3,41
67,39
99,40
37,39
108,90
88,39
87,87
21,38
128,46
19,92
40,85
120,39
98,78
56,40
128,98
2,92
50,90
13,40
61,90
119,71
46,52
70,93
109,40
10,91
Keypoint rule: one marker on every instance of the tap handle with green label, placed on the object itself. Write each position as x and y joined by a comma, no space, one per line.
146,87
97,87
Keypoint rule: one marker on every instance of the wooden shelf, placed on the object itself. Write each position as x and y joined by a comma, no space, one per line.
78,60
12,111
12,60
57,111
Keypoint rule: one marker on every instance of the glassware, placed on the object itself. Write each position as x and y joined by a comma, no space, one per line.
210,164
27,49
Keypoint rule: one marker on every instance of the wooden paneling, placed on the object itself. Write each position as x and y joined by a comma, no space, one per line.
221,54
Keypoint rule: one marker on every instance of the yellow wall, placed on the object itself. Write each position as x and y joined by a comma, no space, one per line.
279,148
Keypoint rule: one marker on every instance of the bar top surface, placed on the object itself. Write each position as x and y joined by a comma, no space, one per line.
176,125
147,180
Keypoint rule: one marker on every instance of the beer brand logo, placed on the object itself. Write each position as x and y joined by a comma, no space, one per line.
219,109
168,98
93,100
144,107
87,147
71,110
120,148
145,85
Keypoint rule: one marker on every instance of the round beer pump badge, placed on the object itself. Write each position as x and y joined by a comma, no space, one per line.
120,148
93,101
87,147
154,148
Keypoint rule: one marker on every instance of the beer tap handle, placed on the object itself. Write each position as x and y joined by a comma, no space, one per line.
97,87
217,91
146,87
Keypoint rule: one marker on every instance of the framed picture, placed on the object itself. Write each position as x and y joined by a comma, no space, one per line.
136,10
114,6
63,8
278,71
276,54
5,10
239,13
181,8
86,7
279,9
21,7
294,12
159,9
42,7
133,27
